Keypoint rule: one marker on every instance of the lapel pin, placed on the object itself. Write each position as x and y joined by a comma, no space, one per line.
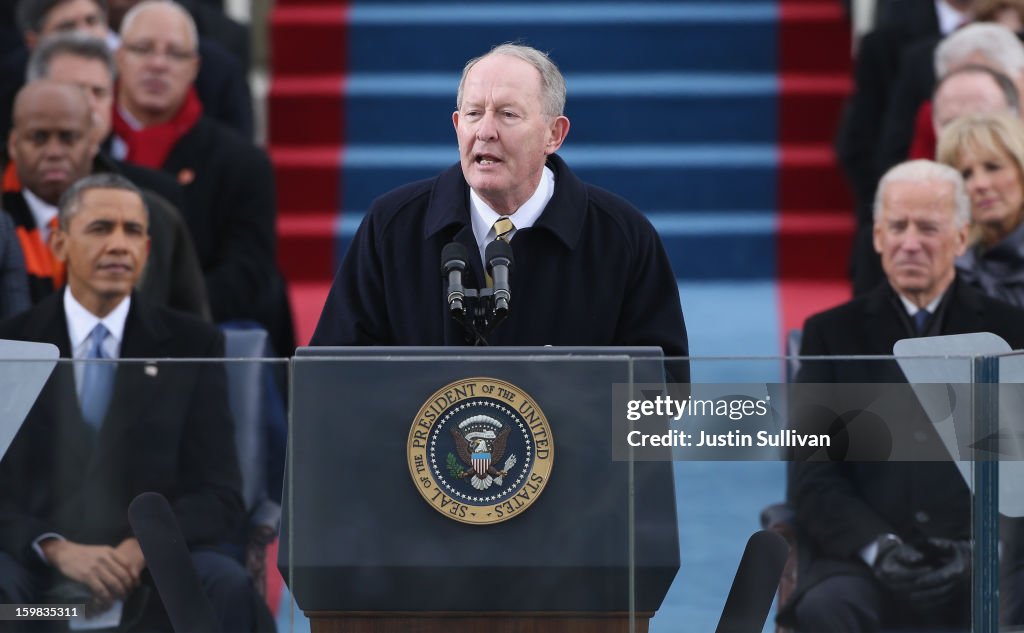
151,370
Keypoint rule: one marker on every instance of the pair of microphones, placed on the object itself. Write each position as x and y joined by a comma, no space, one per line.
478,311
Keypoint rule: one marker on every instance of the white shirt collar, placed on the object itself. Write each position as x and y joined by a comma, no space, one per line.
118,148
912,309
130,119
484,217
81,323
949,18
42,213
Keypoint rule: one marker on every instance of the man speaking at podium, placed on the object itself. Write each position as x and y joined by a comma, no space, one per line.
587,268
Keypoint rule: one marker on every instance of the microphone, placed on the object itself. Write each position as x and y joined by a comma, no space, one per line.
499,261
454,258
170,564
754,586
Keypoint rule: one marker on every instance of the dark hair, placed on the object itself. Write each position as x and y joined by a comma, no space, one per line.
72,199
32,13
987,10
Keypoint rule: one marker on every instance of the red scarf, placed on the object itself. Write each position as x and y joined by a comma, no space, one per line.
150,146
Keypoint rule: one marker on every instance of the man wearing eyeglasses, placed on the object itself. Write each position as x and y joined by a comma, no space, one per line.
229,193
221,84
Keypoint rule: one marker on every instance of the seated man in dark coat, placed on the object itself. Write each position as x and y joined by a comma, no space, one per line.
886,545
79,460
589,268
228,182
13,281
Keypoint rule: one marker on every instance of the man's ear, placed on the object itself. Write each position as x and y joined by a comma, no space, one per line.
557,131
11,147
31,39
59,244
962,235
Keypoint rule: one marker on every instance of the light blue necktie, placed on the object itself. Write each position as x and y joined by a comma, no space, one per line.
921,319
97,379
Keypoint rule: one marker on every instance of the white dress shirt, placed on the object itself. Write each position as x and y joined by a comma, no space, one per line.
484,217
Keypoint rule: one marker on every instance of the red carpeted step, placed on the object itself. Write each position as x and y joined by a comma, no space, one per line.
307,300
810,106
309,38
306,110
814,37
814,56
800,298
809,178
307,178
814,244
305,245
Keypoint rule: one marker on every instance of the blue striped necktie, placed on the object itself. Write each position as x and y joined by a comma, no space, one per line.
97,379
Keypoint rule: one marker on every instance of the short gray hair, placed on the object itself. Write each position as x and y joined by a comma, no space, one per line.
996,42
552,83
71,202
1002,81
927,171
73,44
134,12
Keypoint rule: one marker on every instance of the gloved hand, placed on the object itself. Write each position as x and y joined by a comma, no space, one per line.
926,575
950,571
898,565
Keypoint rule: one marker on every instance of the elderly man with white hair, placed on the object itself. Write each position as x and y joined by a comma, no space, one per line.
887,545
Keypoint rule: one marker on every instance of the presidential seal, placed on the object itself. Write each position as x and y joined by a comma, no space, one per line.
480,451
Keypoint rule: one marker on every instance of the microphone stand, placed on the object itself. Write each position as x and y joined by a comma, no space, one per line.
479,312
478,318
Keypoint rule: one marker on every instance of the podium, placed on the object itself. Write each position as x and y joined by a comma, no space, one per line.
469,489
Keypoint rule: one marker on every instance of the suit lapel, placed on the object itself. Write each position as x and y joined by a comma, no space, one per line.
965,312
135,383
59,401
882,324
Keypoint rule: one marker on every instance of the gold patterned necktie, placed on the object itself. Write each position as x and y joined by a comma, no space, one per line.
502,231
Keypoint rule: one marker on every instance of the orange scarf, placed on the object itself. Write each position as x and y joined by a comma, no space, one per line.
39,259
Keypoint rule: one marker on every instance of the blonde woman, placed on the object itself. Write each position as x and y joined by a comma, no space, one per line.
988,151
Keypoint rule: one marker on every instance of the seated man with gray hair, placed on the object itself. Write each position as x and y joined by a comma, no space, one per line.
887,545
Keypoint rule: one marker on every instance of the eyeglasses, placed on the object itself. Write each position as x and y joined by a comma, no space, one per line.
148,51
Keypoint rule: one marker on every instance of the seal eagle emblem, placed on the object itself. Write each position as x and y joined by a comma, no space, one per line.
480,451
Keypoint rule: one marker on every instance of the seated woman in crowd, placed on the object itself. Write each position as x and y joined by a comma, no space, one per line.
988,150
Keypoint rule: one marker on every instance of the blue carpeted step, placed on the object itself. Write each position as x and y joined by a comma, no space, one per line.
607,37
603,108
650,176
682,176
724,244
623,107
